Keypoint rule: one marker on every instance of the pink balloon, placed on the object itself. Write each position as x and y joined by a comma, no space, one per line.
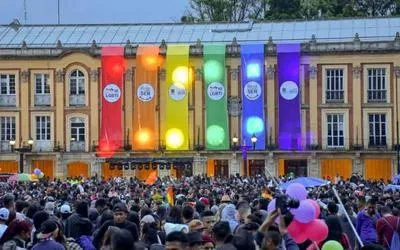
300,238
297,191
317,208
317,230
305,213
296,228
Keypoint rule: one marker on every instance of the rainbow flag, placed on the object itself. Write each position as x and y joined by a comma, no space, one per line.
170,195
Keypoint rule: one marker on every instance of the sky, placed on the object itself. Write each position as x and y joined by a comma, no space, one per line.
93,11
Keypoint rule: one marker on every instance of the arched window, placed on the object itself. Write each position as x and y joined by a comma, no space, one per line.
77,83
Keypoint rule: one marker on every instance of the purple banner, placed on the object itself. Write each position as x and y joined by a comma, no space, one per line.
253,120
289,96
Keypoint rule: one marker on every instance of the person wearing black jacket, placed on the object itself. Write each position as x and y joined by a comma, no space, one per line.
78,224
120,213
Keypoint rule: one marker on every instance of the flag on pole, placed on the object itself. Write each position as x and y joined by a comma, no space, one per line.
152,178
170,195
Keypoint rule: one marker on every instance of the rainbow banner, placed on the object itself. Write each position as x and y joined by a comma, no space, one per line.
178,80
289,96
253,121
217,134
145,131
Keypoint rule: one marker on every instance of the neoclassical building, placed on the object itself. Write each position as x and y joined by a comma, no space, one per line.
51,99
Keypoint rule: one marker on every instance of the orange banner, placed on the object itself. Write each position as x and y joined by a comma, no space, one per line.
145,132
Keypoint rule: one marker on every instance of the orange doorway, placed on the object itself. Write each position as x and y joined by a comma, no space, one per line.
256,167
377,169
8,167
143,173
330,168
109,171
46,166
75,169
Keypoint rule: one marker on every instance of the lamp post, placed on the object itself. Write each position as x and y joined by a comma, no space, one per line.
22,150
254,141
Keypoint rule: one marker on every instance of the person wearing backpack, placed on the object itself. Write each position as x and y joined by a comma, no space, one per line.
388,228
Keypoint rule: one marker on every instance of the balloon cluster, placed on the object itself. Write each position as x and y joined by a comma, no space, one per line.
305,224
39,174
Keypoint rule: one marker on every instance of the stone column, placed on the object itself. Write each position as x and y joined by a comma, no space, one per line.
313,104
357,164
270,165
357,111
163,173
60,167
313,166
235,164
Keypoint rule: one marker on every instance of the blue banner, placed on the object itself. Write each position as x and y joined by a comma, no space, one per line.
253,119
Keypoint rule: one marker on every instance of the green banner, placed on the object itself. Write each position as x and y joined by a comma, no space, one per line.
217,134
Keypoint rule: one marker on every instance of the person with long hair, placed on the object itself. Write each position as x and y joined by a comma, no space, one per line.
16,236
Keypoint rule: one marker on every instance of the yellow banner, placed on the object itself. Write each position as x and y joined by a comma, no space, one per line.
178,79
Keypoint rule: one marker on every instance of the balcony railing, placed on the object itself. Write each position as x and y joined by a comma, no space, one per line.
377,96
8,100
5,146
77,146
43,146
77,100
334,96
42,99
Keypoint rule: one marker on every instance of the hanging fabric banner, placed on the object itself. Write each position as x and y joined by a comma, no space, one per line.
113,67
289,96
252,72
217,134
145,132
178,79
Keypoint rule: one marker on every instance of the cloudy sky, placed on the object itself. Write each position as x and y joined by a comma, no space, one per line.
93,11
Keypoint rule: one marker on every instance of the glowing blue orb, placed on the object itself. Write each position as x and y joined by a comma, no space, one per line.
253,70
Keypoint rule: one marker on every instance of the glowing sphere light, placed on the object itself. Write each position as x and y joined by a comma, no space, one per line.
175,138
253,70
143,136
215,135
254,125
182,75
213,70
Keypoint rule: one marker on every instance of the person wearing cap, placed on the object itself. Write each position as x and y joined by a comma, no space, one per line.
120,214
205,202
48,231
65,212
195,240
208,243
4,215
196,226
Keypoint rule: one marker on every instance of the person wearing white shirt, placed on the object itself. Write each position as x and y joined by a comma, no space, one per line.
4,214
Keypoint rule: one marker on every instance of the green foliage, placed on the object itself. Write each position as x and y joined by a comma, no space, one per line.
244,10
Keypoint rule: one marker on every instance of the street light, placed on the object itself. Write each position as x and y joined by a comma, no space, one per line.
22,150
254,141
235,141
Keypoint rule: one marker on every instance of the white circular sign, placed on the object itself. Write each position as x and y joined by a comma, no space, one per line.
216,91
289,90
252,91
145,92
177,92
111,92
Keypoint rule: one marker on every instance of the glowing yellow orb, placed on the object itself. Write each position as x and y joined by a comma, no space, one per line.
182,75
143,136
175,138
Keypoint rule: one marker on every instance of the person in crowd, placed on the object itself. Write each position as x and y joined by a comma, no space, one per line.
102,208
38,219
208,219
221,233
271,240
187,214
366,223
196,226
386,226
174,221
4,215
120,213
48,232
229,215
243,211
122,240
16,236
78,224
176,241
65,213
347,229
9,204
208,243
21,208
195,240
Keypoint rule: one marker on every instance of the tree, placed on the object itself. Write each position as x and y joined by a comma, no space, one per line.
376,7
225,10
283,9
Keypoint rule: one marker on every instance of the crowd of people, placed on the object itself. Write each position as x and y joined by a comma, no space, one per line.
195,212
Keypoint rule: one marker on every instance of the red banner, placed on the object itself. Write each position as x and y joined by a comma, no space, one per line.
113,67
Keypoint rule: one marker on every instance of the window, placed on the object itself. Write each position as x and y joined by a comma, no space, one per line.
7,84
77,129
77,83
42,84
334,85
7,130
377,129
376,85
43,128
335,130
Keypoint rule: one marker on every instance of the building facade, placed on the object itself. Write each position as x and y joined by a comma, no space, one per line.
50,79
